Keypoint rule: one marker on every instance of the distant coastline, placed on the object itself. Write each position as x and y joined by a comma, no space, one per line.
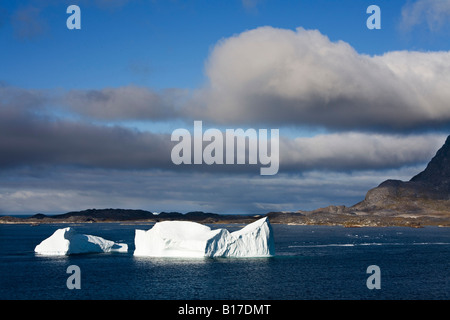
126,215
333,216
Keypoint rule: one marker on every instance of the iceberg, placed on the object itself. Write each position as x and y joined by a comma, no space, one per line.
67,241
191,239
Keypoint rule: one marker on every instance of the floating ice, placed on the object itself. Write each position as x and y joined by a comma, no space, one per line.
67,241
191,239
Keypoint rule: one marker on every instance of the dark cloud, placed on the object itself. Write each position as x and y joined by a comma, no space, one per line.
18,100
32,134
29,141
59,190
124,103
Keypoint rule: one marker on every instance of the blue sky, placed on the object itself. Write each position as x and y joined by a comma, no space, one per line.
164,44
86,115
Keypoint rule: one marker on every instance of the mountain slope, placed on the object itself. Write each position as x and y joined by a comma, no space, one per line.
426,193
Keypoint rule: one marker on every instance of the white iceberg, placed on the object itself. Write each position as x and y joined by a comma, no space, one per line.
67,241
191,239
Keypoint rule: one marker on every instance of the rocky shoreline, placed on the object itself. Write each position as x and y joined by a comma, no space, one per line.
317,217
354,220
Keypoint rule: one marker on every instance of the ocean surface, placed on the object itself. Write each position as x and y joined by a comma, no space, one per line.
311,262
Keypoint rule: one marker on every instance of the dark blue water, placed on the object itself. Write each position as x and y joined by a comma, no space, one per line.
311,262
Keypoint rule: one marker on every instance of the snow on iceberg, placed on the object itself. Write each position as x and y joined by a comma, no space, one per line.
191,239
67,241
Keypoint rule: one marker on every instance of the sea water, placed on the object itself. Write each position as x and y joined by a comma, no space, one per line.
311,262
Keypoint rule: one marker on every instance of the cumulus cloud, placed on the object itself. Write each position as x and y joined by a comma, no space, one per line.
281,77
277,77
433,13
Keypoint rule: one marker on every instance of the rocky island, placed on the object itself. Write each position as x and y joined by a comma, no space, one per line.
423,200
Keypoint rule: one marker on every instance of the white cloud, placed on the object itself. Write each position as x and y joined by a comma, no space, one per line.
358,151
281,77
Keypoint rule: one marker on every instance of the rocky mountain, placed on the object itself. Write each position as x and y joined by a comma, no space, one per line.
426,193
436,176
